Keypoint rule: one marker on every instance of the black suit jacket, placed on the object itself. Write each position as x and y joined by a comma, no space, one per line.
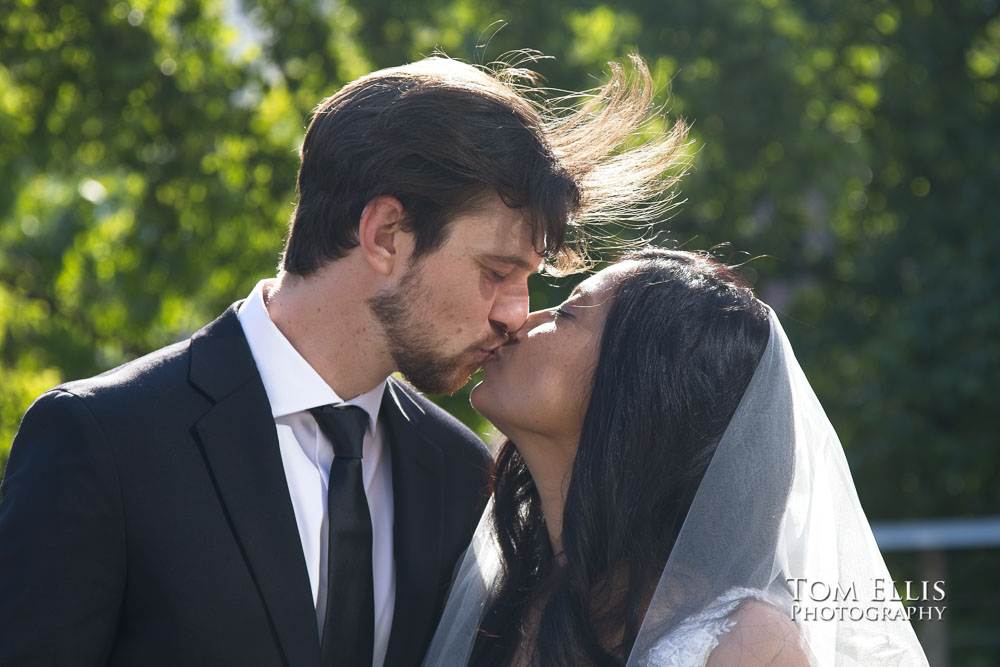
146,519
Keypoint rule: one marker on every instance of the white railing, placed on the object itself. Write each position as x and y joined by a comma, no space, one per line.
937,534
933,538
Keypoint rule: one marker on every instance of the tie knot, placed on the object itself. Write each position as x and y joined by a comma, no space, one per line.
345,426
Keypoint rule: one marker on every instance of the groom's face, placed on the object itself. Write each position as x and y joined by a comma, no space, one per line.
453,306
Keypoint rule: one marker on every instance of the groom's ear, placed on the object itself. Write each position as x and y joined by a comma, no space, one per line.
384,244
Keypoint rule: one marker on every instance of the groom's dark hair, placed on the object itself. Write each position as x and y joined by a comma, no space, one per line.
443,136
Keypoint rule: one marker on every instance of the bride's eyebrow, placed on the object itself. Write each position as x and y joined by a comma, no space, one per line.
588,299
577,300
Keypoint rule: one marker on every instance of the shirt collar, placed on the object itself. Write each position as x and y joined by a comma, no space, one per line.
292,385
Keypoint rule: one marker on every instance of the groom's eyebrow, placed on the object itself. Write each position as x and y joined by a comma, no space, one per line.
513,260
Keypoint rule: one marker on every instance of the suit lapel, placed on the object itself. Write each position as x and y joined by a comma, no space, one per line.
418,530
240,445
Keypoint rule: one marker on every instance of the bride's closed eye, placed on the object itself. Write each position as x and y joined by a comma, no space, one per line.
562,312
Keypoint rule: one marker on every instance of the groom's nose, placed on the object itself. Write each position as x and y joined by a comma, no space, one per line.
510,309
531,321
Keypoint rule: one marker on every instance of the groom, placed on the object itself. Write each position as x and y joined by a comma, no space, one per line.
188,508
266,492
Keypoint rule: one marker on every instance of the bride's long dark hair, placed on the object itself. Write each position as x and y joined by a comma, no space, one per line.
682,338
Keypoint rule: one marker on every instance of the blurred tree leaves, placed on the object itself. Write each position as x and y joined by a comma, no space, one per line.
148,155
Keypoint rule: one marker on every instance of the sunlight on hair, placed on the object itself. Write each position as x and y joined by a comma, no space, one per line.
614,143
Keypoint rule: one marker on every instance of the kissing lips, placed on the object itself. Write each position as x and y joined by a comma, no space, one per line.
495,353
489,352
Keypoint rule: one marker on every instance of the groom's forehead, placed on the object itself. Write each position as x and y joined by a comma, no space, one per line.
498,234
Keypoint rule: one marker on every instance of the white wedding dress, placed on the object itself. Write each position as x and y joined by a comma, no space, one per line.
692,642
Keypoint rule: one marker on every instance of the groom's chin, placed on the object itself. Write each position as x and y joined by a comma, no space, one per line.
440,382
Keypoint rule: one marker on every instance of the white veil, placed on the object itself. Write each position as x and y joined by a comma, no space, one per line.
776,513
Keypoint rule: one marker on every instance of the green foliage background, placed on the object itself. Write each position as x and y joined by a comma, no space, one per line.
148,158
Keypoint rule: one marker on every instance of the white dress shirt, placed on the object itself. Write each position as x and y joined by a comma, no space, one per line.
293,387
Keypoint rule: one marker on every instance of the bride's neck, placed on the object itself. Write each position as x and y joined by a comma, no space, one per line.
550,463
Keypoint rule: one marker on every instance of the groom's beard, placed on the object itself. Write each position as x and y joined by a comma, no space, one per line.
412,350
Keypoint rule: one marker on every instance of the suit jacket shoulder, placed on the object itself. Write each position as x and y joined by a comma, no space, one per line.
154,487
178,382
152,383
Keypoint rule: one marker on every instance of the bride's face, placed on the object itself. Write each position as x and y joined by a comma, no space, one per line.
540,382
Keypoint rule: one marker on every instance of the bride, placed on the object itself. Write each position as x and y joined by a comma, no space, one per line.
671,492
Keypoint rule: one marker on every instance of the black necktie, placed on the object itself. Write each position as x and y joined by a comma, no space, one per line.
349,629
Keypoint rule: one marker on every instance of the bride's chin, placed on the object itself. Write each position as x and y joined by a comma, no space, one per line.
483,401
476,397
